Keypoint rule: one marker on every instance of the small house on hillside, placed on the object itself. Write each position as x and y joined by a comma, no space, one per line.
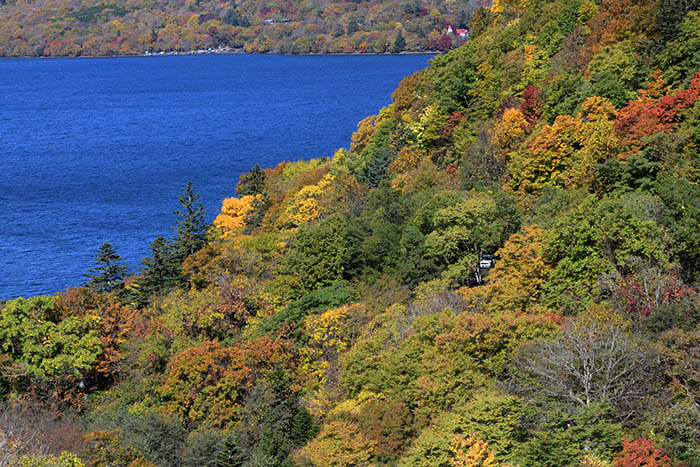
462,33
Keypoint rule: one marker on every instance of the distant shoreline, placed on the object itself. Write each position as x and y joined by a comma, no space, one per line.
195,54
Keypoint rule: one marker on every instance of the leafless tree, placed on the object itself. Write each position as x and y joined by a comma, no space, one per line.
27,430
589,362
17,438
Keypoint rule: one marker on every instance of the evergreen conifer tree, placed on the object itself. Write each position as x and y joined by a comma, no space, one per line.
251,183
399,43
161,271
375,169
109,273
191,229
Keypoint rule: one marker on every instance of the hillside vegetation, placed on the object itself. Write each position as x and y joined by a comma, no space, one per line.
337,313
106,27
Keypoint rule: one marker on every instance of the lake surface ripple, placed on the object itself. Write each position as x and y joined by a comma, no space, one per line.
95,150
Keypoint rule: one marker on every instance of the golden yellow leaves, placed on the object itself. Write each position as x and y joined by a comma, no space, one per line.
305,205
314,202
530,50
408,158
365,129
340,443
597,108
330,335
592,460
471,452
429,127
233,214
509,132
498,6
564,154
515,283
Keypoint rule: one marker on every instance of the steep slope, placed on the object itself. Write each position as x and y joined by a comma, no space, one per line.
502,270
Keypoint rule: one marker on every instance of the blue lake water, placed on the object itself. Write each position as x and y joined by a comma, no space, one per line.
95,150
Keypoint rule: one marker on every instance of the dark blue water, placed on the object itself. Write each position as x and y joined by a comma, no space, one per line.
95,150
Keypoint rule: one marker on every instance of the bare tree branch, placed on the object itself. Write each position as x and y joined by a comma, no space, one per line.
589,362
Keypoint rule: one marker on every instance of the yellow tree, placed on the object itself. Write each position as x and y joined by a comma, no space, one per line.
429,127
515,282
509,132
365,129
103,449
340,443
305,205
471,452
233,214
330,334
564,154
66,459
592,460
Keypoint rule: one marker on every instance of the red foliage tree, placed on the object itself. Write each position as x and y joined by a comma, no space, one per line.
647,291
451,124
641,453
645,117
532,106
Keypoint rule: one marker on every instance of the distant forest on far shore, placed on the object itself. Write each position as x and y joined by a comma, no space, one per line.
134,27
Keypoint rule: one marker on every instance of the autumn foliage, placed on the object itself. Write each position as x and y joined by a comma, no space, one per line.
500,270
641,453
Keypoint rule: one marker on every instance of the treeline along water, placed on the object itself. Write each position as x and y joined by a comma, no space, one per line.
96,150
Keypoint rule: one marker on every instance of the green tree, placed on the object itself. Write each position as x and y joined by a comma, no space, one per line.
682,218
202,448
352,27
251,183
462,231
273,422
318,301
122,435
399,43
108,274
256,214
598,237
191,229
560,438
55,352
161,271
317,254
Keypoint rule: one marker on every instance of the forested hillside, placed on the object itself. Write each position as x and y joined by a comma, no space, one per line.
106,27
501,271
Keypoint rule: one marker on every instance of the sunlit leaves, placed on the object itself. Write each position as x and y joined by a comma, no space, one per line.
51,348
231,220
471,452
641,452
207,384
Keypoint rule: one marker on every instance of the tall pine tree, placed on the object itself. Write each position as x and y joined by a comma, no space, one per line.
191,229
251,183
161,271
109,273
